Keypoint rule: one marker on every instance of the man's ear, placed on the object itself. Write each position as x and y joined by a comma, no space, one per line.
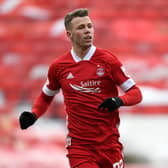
69,34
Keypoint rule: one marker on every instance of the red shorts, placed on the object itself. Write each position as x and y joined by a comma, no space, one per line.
89,155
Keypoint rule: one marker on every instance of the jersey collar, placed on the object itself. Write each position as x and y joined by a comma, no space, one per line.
88,56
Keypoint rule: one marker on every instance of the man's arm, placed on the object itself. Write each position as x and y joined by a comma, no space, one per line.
42,102
131,97
132,94
40,106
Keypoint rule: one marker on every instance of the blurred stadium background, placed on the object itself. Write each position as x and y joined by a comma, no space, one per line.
32,35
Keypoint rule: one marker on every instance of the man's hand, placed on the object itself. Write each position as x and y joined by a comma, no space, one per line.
27,119
111,104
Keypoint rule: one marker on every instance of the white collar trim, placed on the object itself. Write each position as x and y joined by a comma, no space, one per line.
88,56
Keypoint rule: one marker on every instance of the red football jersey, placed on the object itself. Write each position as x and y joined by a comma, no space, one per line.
85,84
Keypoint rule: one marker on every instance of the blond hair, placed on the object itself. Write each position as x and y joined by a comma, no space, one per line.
81,12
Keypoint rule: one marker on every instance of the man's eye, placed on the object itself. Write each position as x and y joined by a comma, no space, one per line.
90,26
80,27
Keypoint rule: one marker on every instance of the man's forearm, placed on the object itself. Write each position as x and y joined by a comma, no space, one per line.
132,96
41,104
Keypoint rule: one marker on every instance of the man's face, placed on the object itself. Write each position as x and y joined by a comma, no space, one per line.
81,32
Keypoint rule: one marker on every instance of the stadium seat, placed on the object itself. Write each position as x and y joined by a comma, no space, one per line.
131,29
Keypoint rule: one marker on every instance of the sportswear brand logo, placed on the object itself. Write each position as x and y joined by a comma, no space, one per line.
91,86
70,76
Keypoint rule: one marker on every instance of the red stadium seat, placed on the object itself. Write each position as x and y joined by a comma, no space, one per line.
132,27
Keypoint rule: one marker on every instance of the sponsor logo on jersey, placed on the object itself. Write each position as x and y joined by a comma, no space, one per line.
92,86
70,76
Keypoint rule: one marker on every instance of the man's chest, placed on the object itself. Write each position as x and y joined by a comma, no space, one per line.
85,76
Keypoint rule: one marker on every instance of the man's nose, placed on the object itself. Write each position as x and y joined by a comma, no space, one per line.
87,30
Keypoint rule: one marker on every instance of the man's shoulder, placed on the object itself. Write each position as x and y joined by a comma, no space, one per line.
60,62
66,57
106,55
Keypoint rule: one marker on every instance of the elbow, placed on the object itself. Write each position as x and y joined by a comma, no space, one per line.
139,96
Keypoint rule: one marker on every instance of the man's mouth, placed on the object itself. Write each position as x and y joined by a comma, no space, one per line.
88,37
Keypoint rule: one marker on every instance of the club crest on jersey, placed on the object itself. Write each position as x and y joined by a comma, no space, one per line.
100,71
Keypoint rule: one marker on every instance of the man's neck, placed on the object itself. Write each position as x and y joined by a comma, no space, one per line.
81,52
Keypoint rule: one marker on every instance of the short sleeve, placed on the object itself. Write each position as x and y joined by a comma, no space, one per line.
51,86
120,76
